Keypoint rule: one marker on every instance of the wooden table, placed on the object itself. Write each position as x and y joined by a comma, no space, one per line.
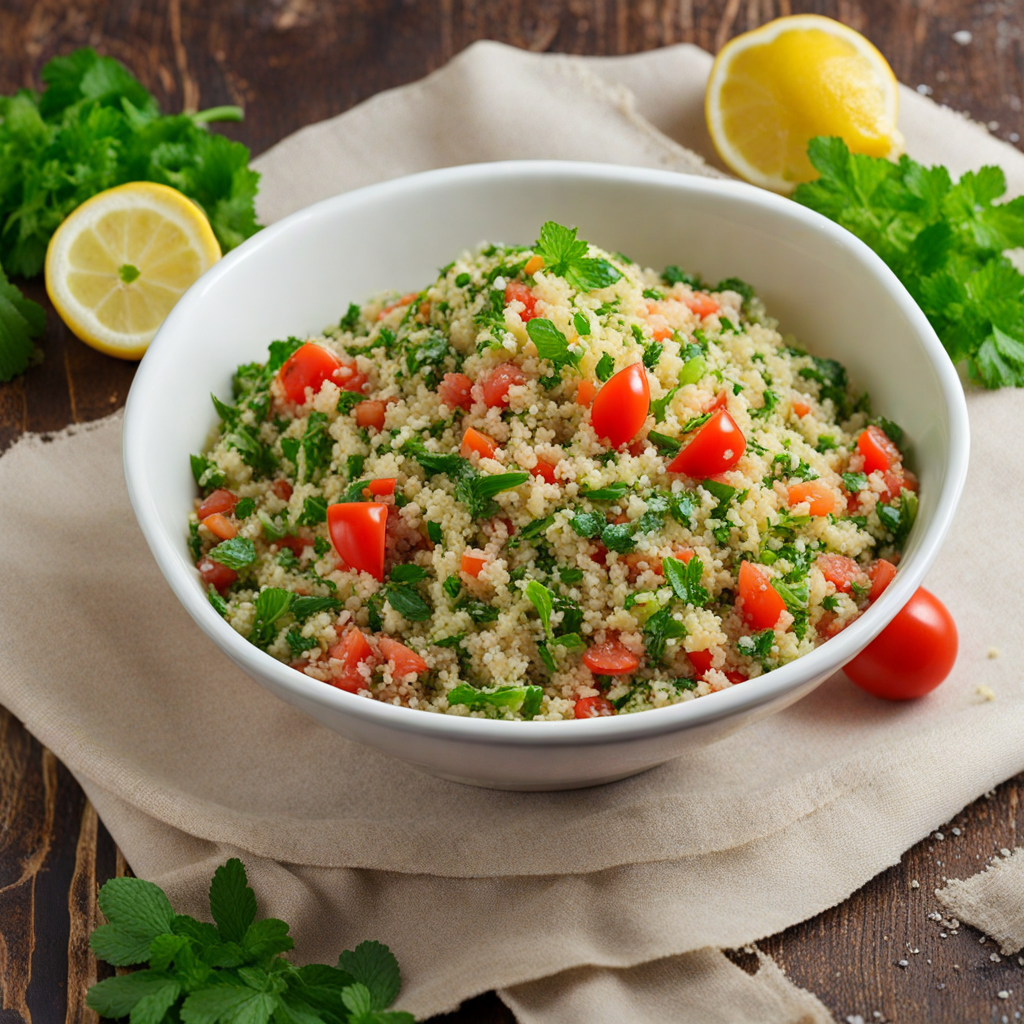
293,62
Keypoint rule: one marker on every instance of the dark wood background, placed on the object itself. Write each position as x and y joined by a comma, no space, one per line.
293,62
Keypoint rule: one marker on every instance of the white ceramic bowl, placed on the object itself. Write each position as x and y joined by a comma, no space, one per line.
825,286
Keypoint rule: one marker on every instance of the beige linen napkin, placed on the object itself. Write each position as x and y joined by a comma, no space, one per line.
189,761
992,900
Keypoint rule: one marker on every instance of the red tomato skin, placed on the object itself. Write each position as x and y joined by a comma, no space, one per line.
220,526
307,367
841,572
370,414
297,544
585,392
611,658
352,649
720,401
912,655
621,406
282,489
593,707
518,290
718,446
498,381
219,501
475,441
881,573
878,450
455,390
762,603
382,487
735,677
348,378
215,575
472,565
820,498
701,662
404,661
701,304
545,470
358,533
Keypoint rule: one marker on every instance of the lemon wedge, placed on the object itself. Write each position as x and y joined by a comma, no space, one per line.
775,88
120,261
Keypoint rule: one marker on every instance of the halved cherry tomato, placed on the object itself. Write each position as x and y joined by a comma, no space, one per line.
499,380
382,487
734,676
282,489
533,264
701,661
842,572
611,658
403,661
701,304
220,526
593,707
403,301
475,441
800,409
621,406
215,575
718,402
912,655
762,603
820,498
472,565
351,650
718,446
878,450
516,290
455,390
881,573
545,470
348,378
358,531
307,367
585,392
370,414
219,501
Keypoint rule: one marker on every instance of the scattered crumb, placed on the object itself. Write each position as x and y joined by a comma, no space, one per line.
985,692
963,37
1003,994
995,958
903,963
994,652
854,1018
956,831
915,884
939,836
1014,137
993,126
924,90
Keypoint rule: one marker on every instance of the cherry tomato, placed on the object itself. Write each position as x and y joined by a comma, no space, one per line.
701,661
912,655
358,530
842,572
879,452
701,304
370,414
585,391
593,707
403,661
611,658
307,367
220,526
282,489
545,470
621,406
735,676
499,380
218,501
720,401
516,290
382,487
215,575
455,390
762,603
718,446
348,378
820,498
472,565
351,650
881,573
475,441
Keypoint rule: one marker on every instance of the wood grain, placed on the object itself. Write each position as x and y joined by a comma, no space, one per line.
294,62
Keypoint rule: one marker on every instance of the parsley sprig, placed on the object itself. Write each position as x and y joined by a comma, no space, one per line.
230,971
565,255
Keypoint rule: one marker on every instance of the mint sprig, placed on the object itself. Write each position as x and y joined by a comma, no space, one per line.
232,971
565,255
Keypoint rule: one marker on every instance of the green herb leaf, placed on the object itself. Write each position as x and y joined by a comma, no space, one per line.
314,510
21,320
373,965
566,256
543,600
612,492
899,520
208,475
685,580
605,367
855,482
551,343
271,604
658,629
515,698
236,553
348,400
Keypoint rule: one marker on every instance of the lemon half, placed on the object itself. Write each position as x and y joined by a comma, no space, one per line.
120,261
772,90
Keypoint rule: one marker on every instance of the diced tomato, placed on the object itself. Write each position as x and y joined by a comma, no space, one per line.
820,498
533,264
599,554
348,378
701,304
455,390
307,367
403,301
220,501
718,446
611,658
545,470
472,565
516,290
735,676
701,661
621,406
827,626
718,402
358,532
842,572
475,441
403,661
896,479
498,381
800,409
684,555
282,489
297,544
585,392
593,707
762,603
351,650
878,450
881,573
370,414
215,575
220,526
382,487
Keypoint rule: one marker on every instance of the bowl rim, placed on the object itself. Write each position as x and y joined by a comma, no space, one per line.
766,689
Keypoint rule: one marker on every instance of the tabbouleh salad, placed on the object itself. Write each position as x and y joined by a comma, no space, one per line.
550,485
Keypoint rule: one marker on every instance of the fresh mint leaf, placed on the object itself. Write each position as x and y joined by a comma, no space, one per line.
581,323
685,580
232,902
618,537
566,256
612,492
374,966
271,604
138,911
314,510
119,996
587,524
515,698
208,475
551,343
543,600
303,607
855,482
406,600
236,553
660,628
605,368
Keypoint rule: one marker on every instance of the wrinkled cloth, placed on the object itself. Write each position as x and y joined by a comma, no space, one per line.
992,900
